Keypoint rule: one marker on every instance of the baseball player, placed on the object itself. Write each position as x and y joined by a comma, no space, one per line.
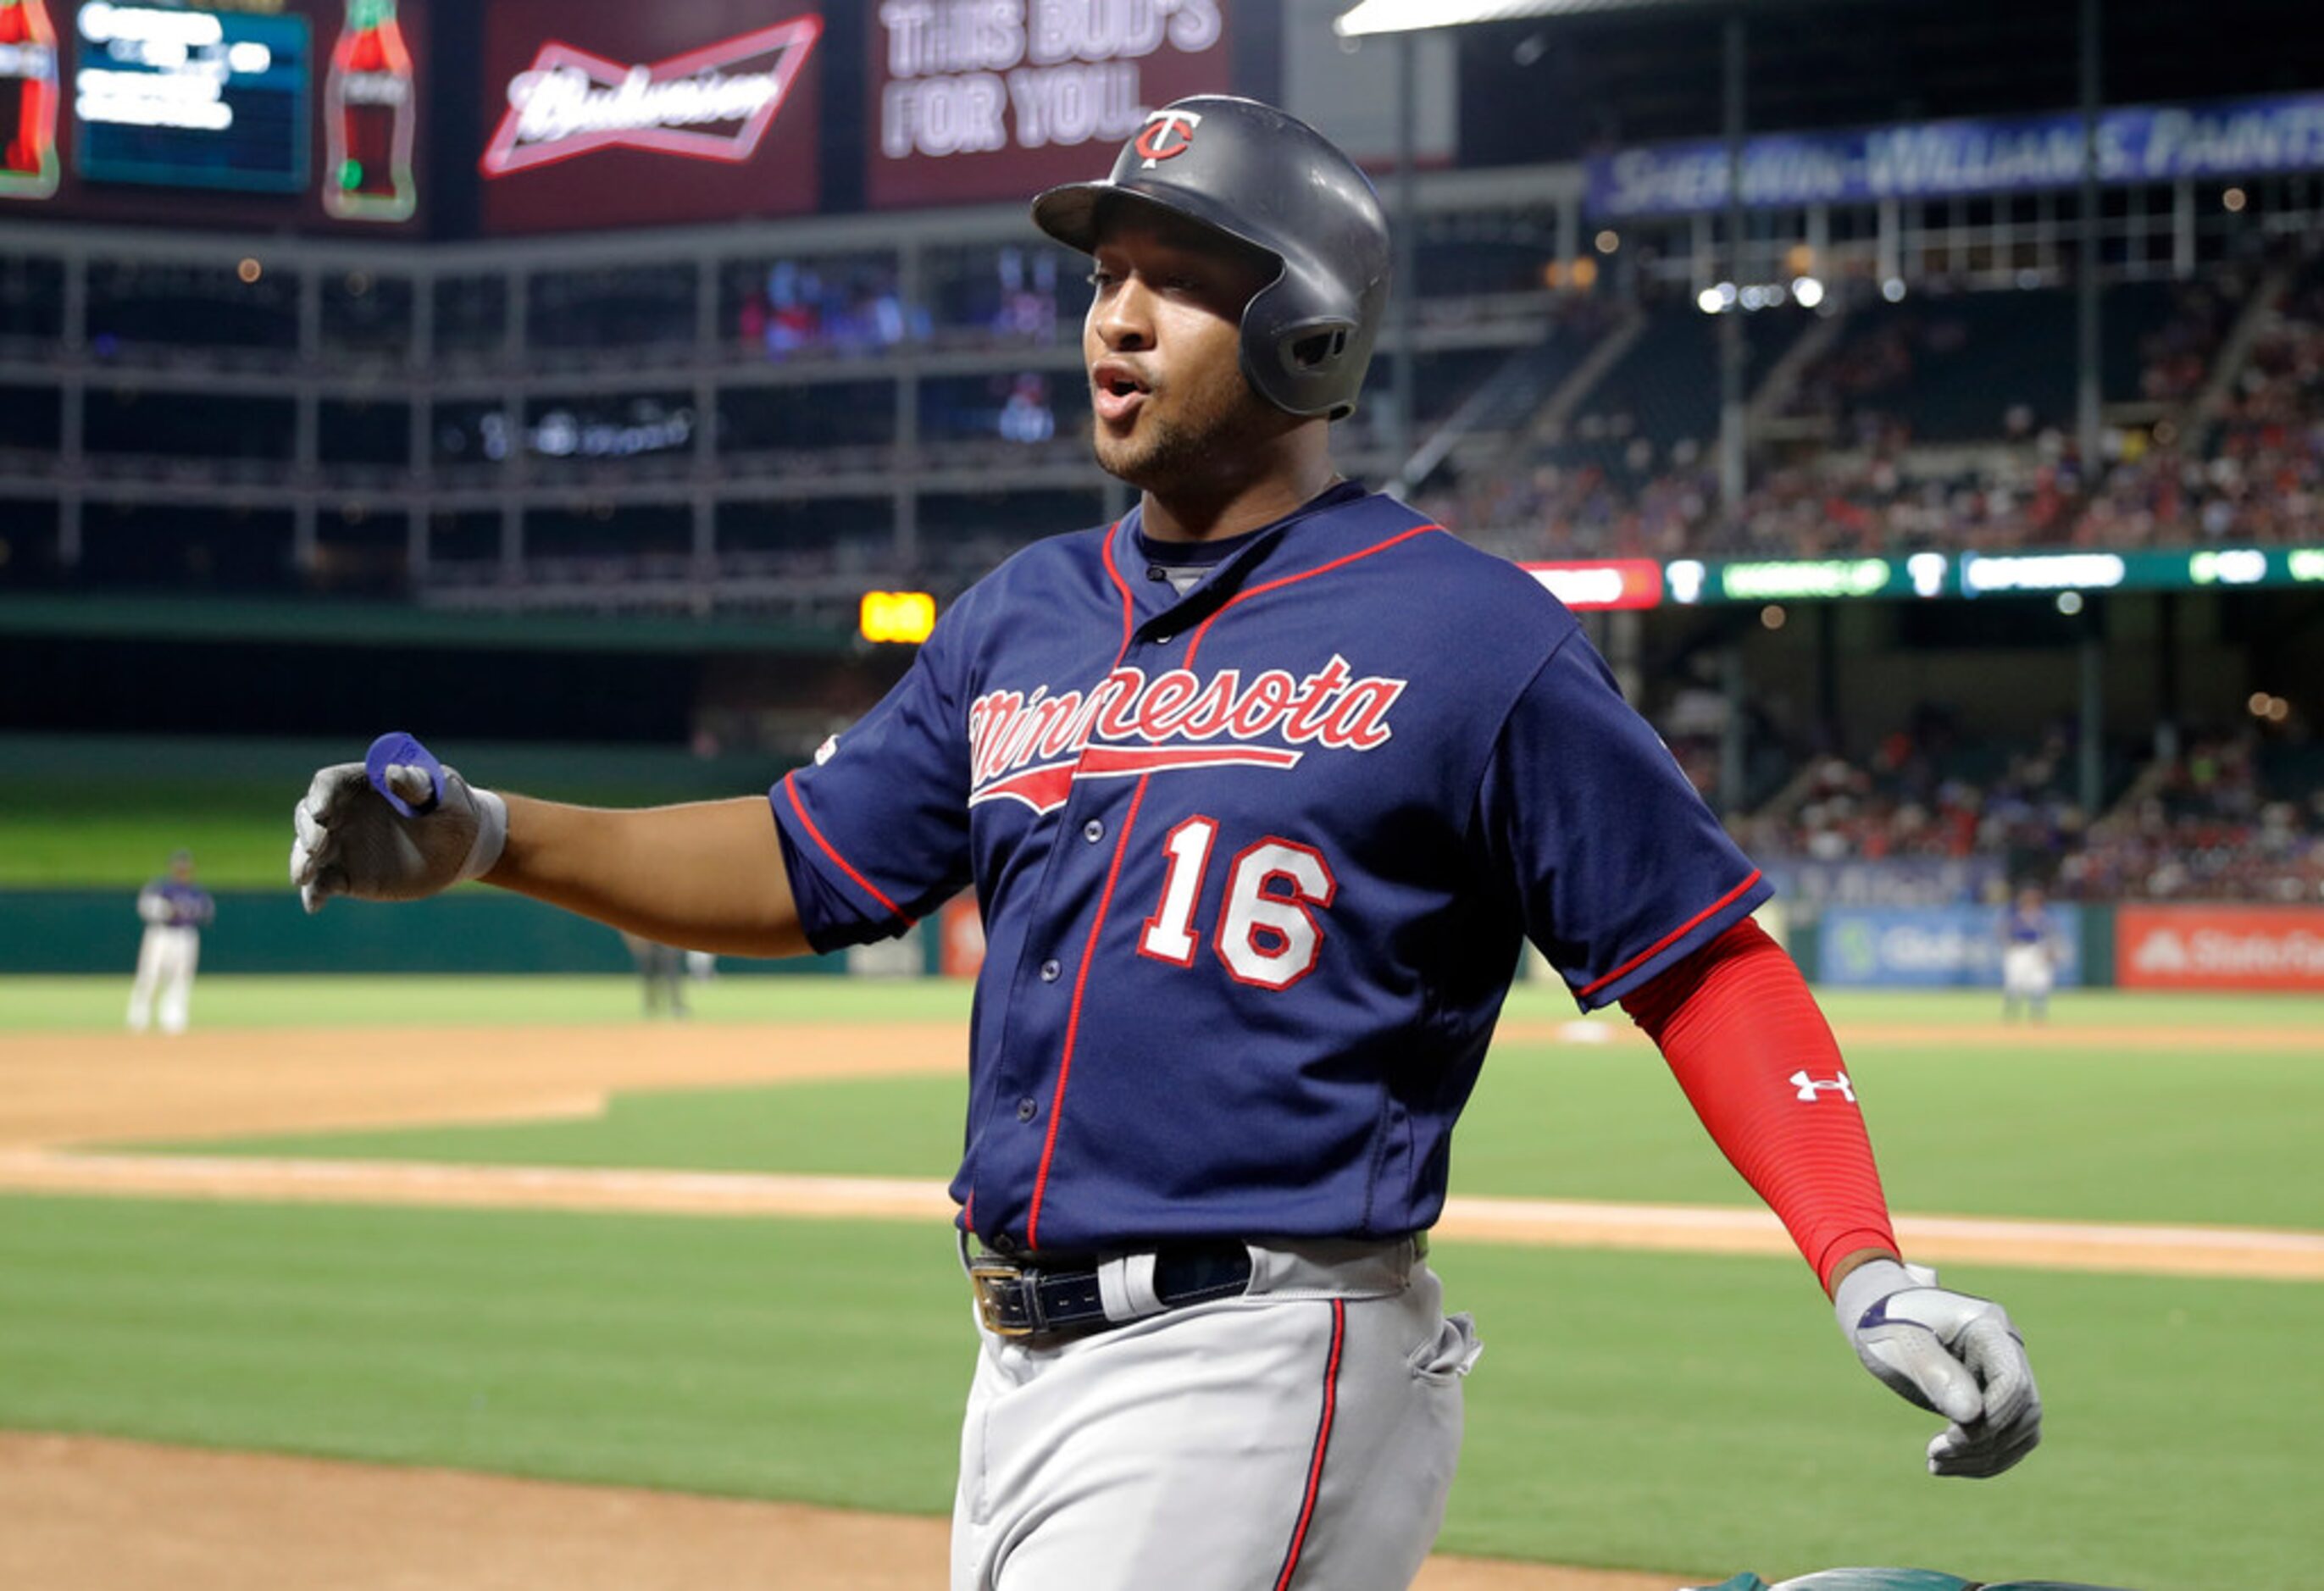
2029,952
661,970
1259,789
175,910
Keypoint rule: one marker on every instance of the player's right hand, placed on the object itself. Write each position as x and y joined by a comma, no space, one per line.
351,839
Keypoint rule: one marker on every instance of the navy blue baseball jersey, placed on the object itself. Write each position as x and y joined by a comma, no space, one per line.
1254,859
180,904
2020,926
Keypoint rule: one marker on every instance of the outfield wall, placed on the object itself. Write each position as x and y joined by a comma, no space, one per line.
1940,947
97,931
2143,946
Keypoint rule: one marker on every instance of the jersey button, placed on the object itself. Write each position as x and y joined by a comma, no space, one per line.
1027,1108
1049,970
1092,830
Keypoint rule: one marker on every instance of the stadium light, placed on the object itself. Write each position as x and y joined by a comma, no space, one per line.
1405,17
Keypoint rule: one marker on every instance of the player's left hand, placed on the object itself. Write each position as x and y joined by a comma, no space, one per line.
1950,1353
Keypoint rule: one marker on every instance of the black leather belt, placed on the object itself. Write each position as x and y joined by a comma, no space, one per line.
1034,1297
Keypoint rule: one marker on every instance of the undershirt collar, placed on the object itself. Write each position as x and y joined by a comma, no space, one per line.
1184,564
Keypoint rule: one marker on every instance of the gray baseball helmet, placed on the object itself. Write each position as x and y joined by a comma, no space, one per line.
1270,181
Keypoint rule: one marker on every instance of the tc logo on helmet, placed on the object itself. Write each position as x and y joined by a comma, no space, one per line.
1168,133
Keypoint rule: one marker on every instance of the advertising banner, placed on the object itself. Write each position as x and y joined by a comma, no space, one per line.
301,114
1932,947
648,115
1601,584
2219,947
1936,160
1925,575
978,100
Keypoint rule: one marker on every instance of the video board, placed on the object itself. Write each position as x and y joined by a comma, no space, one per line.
979,100
191,98
227,112
648,115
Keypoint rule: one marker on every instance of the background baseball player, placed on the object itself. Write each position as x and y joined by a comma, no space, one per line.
2029,956
175,910
1259,789
661,974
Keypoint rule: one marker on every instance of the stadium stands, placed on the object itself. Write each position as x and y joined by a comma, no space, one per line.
1940,421
767,421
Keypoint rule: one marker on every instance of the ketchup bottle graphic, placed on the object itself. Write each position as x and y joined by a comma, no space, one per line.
28,100
369,107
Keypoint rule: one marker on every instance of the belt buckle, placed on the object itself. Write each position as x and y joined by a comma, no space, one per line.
1003,1298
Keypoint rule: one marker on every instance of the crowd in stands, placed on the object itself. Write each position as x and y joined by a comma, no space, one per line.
2207,826
2251,472
2210,824
840,305
1919,795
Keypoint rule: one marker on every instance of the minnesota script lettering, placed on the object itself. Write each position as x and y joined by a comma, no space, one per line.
1031,746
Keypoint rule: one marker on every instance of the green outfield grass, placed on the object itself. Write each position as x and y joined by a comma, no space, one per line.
232,849
1695,1415
106,811
64,1005
306,1000
1691,1414
1967,1122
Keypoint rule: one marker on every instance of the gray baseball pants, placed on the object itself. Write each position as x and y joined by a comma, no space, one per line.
1302,1435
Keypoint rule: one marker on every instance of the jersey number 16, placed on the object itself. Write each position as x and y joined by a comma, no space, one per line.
1267,936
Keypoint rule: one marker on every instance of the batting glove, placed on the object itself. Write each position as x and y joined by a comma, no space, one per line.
1950,1353
397,826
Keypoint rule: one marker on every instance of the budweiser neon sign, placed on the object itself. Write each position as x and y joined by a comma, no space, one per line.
712,104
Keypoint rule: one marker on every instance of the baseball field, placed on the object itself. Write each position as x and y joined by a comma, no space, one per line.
489,1283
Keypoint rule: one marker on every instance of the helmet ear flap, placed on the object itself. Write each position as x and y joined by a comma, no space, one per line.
1318,350
1308,356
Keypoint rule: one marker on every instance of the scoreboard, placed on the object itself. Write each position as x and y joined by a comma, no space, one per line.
267,114
198,98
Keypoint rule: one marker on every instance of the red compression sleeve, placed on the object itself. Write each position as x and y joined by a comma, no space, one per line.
1749,1045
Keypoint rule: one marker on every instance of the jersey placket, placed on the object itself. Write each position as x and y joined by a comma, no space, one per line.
1039,1066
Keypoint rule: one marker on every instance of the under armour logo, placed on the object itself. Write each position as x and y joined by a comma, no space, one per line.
1809,1087
1168,133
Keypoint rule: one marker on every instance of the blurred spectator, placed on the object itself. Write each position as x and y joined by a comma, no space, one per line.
843,305
2210,825
1874,489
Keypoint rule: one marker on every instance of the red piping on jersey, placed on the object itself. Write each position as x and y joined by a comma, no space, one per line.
816,834
1323,1442
1097,923
1673,936
1203,629
1073,1014
1129,606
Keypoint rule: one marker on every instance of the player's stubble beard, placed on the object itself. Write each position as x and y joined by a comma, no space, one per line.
1220,436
